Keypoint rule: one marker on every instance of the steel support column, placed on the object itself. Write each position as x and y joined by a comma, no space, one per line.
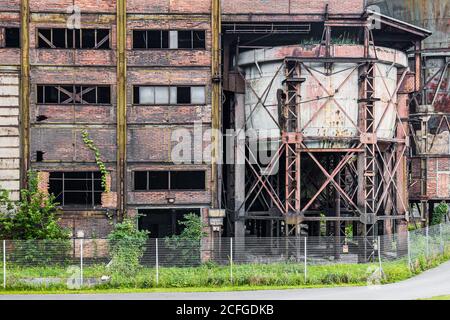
121,109
24,92
216,105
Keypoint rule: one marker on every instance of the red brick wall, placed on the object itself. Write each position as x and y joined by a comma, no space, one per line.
292,6
168,6
62,5
94,224
438,178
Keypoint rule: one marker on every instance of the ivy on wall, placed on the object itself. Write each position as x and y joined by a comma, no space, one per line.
101,165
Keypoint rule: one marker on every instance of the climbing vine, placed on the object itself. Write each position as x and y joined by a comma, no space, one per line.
90,144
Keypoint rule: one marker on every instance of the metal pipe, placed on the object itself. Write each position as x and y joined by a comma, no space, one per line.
4,264
215,102
121,108
24,92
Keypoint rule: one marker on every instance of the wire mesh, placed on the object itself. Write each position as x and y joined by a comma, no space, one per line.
77,263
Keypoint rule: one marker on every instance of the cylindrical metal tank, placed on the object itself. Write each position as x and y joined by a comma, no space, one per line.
264,74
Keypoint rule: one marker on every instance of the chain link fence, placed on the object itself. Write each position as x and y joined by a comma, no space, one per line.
80,263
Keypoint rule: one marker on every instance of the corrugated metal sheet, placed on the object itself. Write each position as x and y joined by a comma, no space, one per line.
433,15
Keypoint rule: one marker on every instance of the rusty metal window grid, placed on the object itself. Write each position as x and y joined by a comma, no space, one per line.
74,94
170,180
196,39
101,39
172,99
93,187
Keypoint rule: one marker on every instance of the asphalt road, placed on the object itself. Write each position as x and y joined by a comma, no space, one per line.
431,283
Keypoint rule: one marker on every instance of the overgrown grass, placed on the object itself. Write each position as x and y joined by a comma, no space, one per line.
438,298
214,277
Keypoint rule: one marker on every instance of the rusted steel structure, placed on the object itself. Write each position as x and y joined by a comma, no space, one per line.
430,106
330,105
323,84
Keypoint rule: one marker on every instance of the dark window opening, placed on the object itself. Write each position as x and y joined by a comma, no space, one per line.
41,118
76,188
163,222
139,39
136,98
39,156
58,38
73,94
169,180
103,94
187,180
191,39
183,95
158,180
12,37
140,180
150,39
45,38
51,94
198,39
185,39
88,38
154,39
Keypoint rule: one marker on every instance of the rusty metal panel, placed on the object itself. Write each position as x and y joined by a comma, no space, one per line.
329,107
433,15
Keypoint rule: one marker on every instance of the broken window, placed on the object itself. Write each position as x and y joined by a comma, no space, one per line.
150,39
187,180
76,188
9,37
59,38
165,39
183,95
192,39
73,94
169,180
163,223
163,95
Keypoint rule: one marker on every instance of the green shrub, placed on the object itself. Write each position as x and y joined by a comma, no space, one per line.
439,213
186,246
32,224
127,246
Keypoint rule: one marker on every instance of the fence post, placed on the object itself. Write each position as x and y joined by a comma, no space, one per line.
427,246
306,273
157,262
81,262
231,260
409,250
4,264
379,253
441,238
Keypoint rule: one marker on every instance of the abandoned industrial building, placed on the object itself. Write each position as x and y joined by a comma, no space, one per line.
348,101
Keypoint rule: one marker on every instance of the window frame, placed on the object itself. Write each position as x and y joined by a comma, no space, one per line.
169,48
40,86
73,46
135,86
4,30
169,189
63,192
